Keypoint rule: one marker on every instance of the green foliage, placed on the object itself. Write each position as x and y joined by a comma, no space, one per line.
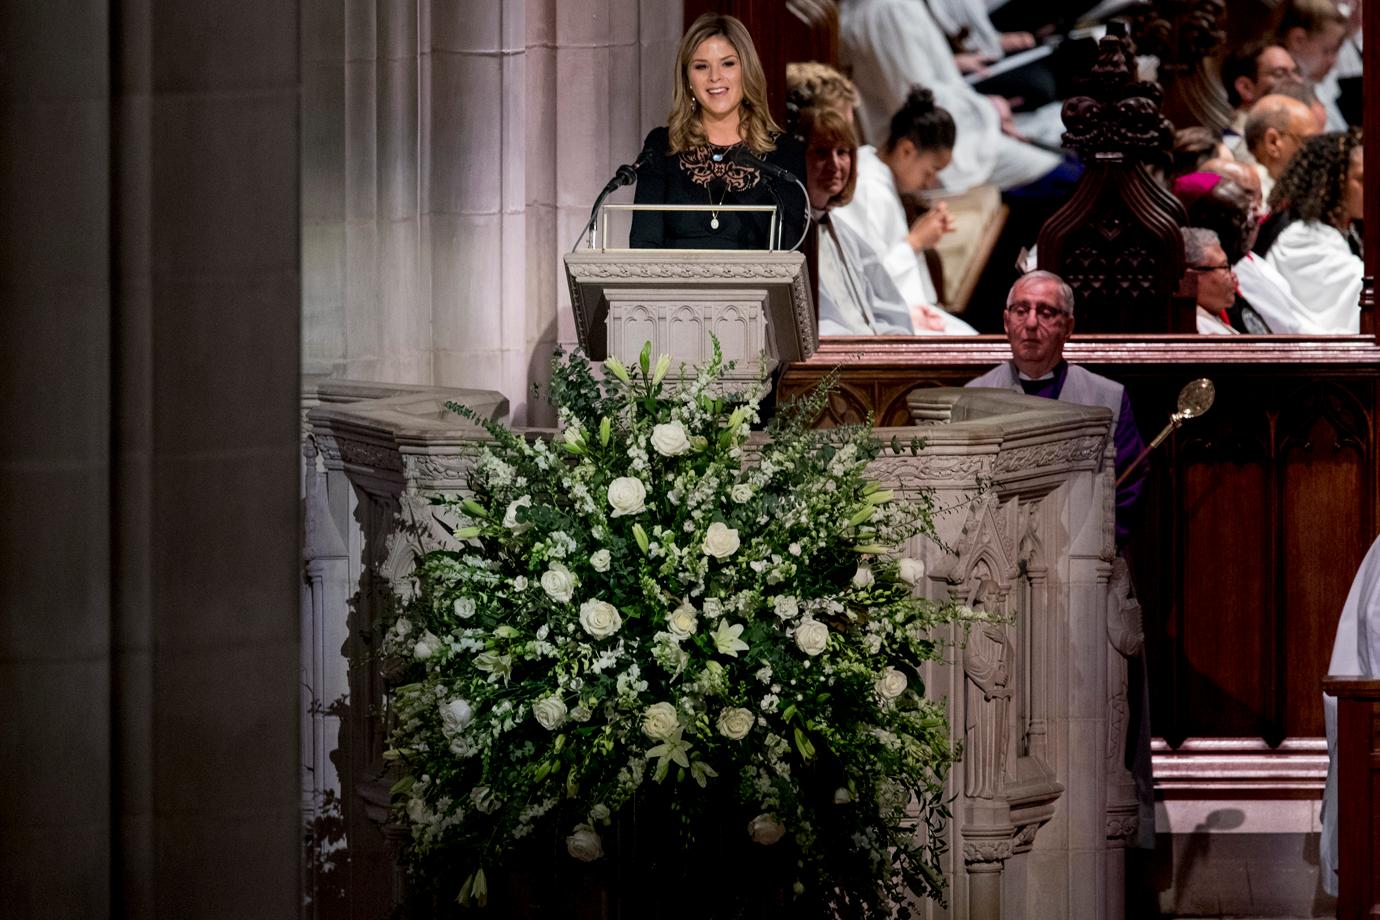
661,610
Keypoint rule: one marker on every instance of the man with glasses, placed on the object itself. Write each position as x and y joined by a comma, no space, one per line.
1038,321
1249,74
1275,130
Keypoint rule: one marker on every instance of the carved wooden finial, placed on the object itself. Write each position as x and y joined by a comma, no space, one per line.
1119,115
1187,37
1117,241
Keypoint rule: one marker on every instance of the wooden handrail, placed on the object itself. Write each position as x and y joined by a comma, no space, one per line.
1358,794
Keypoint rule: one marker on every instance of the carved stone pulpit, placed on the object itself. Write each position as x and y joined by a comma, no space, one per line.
757,304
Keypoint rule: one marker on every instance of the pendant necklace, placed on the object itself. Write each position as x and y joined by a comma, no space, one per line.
715,205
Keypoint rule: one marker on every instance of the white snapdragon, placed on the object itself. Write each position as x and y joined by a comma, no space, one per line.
720,540
559,583
670,439
600,618
713,608
811,637
627,495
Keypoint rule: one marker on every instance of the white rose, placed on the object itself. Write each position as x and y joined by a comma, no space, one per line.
600,813
510,516
464,607
581,713
660,721
891,684
862,578
911,571
736,722
786,607
682,621
627,495
485,802
670,439
765,830
600,618
720,541
811,636
558,583
584,844
842,796
455,715
741,493
427,646
600,560
550,712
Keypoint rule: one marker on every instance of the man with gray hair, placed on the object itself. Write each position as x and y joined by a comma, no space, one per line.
1038,321
1216,288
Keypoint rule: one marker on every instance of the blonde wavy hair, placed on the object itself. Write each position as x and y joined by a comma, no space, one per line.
757,127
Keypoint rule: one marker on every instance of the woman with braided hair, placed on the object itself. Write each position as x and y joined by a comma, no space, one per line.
1309,238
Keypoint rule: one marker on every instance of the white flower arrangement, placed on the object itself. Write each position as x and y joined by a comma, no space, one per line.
650,610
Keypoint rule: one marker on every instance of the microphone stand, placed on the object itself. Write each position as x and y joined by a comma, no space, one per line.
627,175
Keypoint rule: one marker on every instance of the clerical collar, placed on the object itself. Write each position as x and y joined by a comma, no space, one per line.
1047,375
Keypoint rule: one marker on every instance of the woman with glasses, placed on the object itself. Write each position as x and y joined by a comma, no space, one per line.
1216,283
1309,237
1263,301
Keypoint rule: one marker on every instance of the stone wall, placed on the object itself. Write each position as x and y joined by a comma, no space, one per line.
450,154
149,542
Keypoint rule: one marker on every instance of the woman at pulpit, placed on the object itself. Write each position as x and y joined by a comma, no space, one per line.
720,146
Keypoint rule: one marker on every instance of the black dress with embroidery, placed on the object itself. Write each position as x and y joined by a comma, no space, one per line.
695,177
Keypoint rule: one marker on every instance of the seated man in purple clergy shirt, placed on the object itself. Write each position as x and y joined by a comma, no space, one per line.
1039,320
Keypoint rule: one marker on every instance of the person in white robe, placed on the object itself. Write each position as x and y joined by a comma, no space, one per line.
1314,31
919,144
856,293
1356,652
893,45
1225,198
1204,257
1308,237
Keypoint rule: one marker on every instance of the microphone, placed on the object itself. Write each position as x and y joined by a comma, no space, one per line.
626,175
771,170
747,158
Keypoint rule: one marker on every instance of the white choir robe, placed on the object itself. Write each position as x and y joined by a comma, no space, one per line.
1269,295
878,217
1356,652
1209,324
856,295
955,15
893,44
1322,272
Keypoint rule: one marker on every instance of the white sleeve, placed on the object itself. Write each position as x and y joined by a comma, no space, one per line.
1269,295
1322,272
